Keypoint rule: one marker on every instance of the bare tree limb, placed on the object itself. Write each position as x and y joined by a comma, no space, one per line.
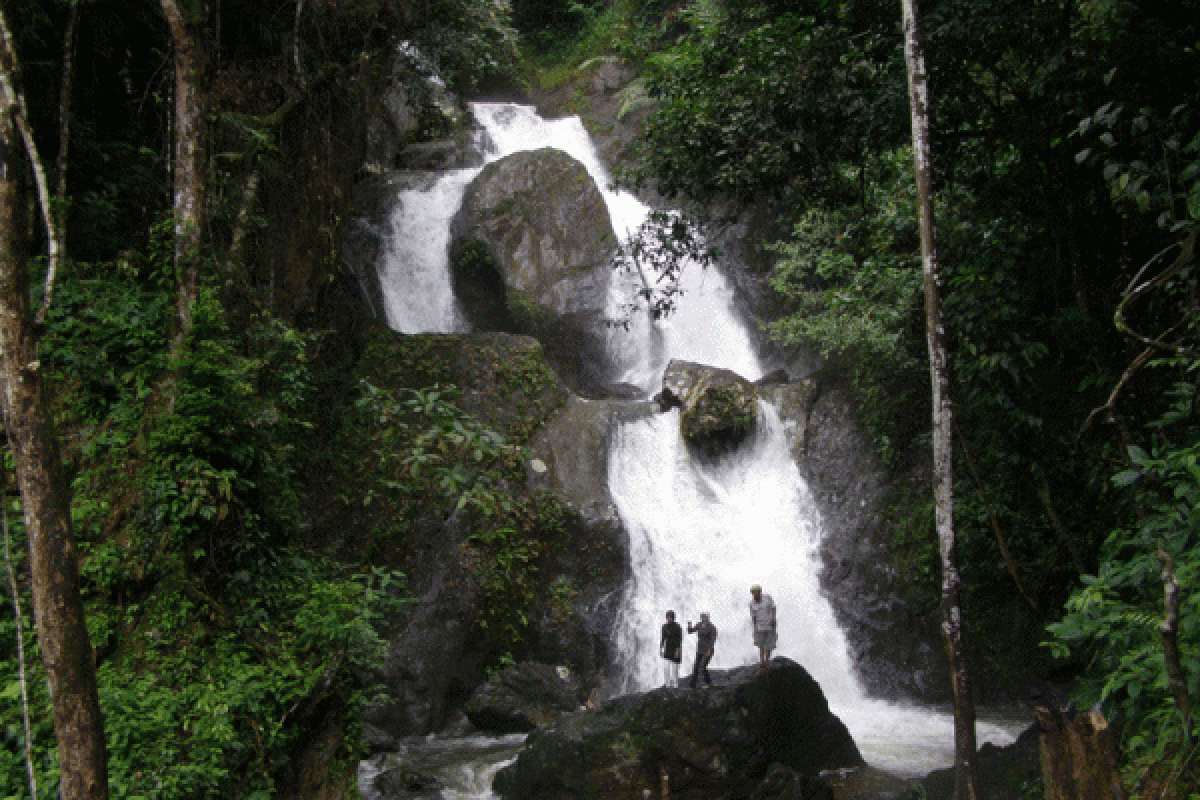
1186,255
1109,408
966,775
1043,493
59,209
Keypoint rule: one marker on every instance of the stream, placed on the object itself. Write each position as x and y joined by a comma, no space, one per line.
701,531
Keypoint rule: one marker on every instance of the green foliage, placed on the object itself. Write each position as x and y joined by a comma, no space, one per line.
197,708
428,447
424,452
502,559
853,272
221,638
631,29
757,103
1112,619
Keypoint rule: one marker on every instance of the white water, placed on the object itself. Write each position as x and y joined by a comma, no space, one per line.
700,533
463,765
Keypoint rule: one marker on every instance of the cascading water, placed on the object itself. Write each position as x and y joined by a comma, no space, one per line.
701,531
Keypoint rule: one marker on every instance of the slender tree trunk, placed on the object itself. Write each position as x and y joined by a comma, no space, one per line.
1169,630
54,570
12,102
965,776
190,162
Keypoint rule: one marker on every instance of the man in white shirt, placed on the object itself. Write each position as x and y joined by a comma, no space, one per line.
762,618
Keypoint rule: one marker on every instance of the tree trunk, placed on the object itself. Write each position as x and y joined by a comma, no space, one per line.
965,776
1169,630
190,163
12,101
54,571
1078,756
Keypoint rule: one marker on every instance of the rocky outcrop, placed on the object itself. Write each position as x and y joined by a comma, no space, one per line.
533,242
717,742
523,697
570,454
434,660
718,407
412,105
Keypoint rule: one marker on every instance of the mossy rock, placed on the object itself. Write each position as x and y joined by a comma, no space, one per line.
718,407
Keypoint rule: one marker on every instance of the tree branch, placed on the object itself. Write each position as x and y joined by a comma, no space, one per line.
1186,254
59,210
1043,493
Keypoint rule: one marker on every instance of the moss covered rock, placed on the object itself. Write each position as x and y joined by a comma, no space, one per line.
718,407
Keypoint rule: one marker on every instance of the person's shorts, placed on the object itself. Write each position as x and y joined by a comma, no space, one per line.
765,640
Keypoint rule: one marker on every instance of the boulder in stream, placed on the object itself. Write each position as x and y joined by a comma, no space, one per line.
718,742
718,406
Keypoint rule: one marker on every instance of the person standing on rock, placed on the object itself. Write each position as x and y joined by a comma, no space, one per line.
670,647
706,640
762,620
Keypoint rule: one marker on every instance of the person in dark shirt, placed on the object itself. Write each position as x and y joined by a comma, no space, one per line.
706,639
670,647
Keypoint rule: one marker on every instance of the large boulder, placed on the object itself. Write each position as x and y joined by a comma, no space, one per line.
718,407
531,248
716,742
522,698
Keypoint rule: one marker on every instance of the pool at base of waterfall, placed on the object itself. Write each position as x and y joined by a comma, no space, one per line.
911,742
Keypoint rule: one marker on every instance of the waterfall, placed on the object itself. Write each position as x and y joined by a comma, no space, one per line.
701,531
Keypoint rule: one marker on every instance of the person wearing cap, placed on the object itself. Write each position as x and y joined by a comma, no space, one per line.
670,647
706,639
762,619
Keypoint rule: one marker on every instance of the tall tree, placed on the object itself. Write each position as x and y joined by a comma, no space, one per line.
54,571
192,62
965,775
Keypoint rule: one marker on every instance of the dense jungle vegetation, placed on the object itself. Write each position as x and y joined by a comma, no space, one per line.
232,473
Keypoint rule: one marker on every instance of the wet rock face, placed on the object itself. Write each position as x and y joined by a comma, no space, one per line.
718,406
716,742
523,697
530,251
896,648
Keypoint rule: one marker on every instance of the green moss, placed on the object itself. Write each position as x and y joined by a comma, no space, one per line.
720,410
472,260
